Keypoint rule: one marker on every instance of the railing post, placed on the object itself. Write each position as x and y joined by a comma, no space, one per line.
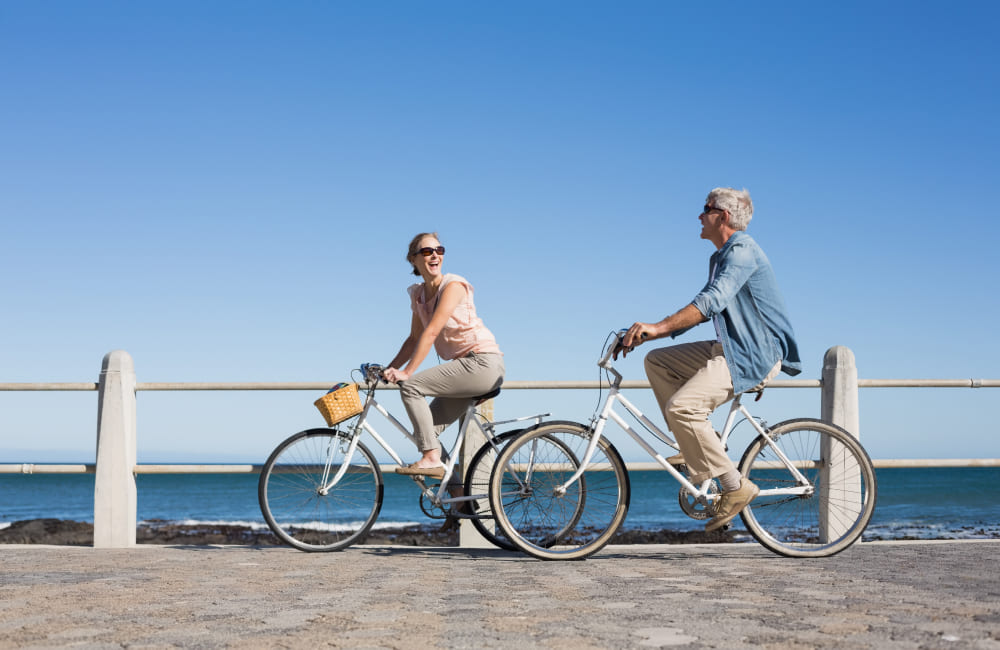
114,484
840,477
468,536
840,389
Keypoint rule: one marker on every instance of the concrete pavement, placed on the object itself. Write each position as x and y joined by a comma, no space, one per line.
878,595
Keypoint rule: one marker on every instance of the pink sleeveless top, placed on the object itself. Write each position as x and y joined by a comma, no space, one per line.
464,332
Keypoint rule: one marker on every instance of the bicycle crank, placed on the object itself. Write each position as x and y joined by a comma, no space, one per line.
427,506
695,506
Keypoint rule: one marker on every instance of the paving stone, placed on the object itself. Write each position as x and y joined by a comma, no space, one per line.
874,595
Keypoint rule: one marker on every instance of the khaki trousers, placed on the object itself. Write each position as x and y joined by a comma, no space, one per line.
451,384
690,381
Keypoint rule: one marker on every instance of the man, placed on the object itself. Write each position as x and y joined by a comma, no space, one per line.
754,341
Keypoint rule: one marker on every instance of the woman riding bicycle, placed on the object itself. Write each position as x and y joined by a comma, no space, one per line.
444,317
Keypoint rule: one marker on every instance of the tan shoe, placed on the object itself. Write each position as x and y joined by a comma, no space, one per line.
412,470
731,504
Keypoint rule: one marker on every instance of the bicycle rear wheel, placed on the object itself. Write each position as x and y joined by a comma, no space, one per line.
300,506
823,515
543,515
477,483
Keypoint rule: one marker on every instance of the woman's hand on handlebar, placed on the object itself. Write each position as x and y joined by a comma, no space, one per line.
395,376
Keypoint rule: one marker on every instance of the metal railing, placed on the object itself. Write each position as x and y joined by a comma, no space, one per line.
243,468
116,466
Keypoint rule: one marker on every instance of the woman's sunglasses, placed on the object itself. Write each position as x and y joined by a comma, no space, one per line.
427,251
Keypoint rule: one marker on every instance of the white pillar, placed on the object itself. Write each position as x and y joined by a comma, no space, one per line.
840,389
114,485
840,493
468,536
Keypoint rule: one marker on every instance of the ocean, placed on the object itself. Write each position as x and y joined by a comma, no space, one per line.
935,503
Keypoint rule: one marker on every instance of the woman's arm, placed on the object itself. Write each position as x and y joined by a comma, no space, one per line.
406,351
450,297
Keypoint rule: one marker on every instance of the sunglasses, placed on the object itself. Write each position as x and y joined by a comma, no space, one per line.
709,208
427,251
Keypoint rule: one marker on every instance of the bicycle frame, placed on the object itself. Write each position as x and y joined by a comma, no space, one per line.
700,493
440,496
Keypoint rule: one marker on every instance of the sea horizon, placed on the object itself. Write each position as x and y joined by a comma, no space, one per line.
913,503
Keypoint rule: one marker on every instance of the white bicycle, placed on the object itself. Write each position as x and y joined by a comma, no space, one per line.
817,483
322,489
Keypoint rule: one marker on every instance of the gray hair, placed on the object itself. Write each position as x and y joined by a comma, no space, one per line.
736,202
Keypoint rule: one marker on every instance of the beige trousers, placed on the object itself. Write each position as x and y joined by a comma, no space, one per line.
452,384
690,381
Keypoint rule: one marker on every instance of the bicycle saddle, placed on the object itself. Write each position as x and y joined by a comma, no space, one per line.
490,395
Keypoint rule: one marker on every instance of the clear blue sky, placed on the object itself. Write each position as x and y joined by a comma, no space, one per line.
225,190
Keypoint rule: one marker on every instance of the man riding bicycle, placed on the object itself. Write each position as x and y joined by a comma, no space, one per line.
754,341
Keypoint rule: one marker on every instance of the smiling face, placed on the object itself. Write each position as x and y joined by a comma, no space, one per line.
428,266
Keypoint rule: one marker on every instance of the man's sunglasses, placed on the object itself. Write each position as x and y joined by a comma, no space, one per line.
709,208
427,251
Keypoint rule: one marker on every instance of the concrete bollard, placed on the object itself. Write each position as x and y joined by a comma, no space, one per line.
114,486
840,389
468,536
840,477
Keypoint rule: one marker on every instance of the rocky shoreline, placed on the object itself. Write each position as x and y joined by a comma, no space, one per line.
59,532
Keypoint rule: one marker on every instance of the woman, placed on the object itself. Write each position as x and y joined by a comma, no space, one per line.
444,317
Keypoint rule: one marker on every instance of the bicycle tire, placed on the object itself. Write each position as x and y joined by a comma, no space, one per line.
539,519
830,517
477,482
299,512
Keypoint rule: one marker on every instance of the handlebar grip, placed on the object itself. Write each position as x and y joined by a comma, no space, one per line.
621,337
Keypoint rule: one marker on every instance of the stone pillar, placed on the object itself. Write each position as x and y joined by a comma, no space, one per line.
114,485
468,536
840,477
840,389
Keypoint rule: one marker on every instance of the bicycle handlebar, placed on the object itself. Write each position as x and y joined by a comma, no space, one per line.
617,347
373,372
613,350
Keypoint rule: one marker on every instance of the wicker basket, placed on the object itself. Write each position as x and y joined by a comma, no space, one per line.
341,403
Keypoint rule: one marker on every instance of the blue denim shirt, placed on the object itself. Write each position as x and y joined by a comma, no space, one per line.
753,326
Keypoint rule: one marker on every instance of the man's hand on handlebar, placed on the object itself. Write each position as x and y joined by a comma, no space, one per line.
634,336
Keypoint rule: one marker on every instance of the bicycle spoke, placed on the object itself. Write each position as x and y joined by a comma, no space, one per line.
299,504
840,494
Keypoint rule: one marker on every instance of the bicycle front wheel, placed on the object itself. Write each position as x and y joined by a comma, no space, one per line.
303,506
820,507
549,508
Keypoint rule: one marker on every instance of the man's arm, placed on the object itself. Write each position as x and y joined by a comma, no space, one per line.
687,317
